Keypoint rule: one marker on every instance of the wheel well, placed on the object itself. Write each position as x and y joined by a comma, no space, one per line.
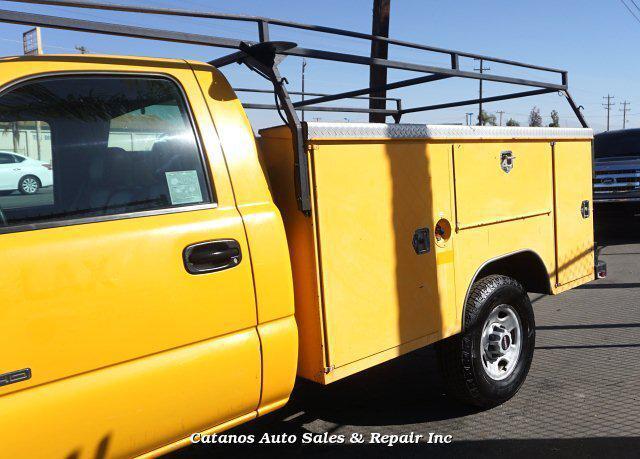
31,175
526,267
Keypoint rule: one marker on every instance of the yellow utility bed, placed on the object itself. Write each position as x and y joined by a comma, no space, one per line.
363,293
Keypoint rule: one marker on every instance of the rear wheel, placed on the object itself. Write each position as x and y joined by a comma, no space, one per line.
29,184
487,363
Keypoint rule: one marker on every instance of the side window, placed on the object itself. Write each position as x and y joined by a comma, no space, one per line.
110,144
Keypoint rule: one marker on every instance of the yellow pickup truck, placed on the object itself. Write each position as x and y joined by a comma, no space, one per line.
179,274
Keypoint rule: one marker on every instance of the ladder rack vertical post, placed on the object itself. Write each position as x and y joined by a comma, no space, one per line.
301,163
263,31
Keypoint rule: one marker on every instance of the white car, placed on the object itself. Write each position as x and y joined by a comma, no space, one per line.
23,174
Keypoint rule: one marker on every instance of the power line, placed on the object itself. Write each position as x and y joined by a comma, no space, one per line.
624,111
630,10
608,106
635,4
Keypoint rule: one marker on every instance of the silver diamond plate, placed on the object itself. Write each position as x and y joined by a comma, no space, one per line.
319,130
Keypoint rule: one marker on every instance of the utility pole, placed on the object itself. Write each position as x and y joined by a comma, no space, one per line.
624,111
608,106
481,69
304,66
500,112
82,49
380,50
469,118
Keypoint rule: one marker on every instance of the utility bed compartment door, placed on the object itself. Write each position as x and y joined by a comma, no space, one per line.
574,227
371,197
498,181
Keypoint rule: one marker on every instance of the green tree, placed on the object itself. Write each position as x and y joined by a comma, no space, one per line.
512,122
555,119
535,119
487,119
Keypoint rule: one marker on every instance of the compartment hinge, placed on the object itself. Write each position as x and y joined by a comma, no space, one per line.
328,370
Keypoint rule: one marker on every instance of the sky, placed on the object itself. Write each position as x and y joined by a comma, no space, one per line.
595,41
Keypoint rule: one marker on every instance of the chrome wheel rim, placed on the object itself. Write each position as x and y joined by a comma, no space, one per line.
501,342
30,185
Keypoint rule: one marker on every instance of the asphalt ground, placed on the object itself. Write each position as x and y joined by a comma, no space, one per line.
581,398
44,196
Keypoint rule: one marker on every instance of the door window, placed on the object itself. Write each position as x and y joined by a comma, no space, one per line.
6,158
117,145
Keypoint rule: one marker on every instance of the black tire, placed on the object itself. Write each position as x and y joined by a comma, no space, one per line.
460,356
33,183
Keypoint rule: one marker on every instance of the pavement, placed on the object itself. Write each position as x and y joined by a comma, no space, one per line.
43,197
581,398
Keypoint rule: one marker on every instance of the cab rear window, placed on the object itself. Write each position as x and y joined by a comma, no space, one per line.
117,145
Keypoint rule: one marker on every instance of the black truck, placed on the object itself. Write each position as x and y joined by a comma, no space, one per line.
617,168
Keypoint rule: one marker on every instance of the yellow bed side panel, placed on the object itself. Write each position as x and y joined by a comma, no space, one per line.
276,154
363,296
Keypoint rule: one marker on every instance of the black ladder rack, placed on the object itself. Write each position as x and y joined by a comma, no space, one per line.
263,56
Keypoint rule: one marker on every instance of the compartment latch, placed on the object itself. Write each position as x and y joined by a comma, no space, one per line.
506,161
585,209
421,241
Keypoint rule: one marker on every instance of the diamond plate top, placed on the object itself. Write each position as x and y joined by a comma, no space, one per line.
320,130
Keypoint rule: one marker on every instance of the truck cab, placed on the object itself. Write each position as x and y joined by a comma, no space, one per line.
155,268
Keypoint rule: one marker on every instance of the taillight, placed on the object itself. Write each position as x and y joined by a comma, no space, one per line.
48,166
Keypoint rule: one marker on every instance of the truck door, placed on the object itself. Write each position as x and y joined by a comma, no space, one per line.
128,312
573,219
